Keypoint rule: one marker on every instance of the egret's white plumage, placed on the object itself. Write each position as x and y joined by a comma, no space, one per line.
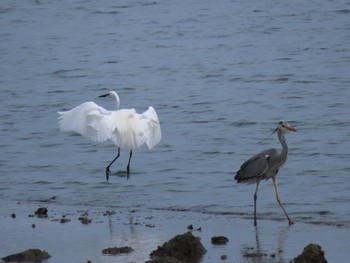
125,127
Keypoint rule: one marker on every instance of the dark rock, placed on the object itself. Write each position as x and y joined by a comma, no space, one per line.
85,219
30,255
13,215
219,240
181,248
312,254
255,255
164,260
64,220
117,250
41,212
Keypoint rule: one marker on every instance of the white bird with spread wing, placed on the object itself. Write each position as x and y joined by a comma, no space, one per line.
125,127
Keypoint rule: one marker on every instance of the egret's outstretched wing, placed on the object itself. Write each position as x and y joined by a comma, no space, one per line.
150,127
89,120
255,168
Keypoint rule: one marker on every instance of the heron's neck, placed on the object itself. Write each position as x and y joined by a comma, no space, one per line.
284,143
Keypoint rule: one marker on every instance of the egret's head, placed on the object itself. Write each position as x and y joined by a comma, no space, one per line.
111,94
114,95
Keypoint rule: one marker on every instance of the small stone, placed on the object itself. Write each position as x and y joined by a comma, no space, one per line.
219,240
85,219
117,250
41,212
190,227
13,215
64,220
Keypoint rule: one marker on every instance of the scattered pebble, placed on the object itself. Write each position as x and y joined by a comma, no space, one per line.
41,212
85,219
191,228
64,219
13,215
109,213
219,240
33,225
223,257
117,250
255,255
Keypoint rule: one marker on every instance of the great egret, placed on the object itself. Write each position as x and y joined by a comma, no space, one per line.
126,128
265,165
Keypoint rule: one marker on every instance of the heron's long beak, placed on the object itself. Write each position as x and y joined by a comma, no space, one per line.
291,129
104,95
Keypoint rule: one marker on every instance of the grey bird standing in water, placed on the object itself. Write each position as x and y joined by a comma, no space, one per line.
265,165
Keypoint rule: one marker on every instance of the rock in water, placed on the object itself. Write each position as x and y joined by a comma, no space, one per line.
312,254
117,250
30,255
181,248
219,240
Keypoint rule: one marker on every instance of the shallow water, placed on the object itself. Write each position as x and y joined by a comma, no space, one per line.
220,75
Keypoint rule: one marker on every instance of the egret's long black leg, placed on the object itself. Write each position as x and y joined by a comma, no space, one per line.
108,172
128,167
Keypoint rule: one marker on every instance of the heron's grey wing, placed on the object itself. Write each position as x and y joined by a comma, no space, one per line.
89,120
150,127
254,168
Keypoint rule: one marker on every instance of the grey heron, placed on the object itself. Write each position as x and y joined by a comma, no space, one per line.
265,165
125,127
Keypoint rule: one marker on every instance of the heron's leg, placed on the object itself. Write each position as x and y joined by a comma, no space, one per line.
290,222
128,167
255,198
108,172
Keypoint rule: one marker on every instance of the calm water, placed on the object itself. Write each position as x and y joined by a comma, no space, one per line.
220,75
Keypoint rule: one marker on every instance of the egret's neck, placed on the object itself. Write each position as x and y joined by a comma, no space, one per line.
117,101
116,97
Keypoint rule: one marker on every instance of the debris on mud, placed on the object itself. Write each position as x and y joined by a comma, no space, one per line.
117,250
312,253
181,248
30,255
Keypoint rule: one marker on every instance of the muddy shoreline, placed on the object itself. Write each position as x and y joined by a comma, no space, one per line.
80,233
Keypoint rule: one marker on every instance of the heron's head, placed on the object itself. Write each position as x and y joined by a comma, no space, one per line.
285,127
